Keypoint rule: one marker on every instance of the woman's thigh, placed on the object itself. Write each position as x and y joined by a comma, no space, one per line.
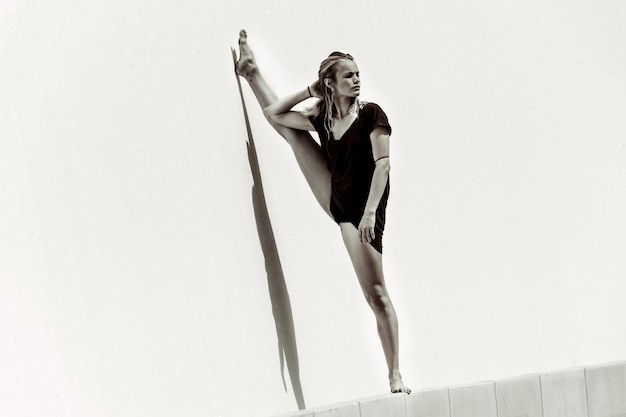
367,261
306,150
309,156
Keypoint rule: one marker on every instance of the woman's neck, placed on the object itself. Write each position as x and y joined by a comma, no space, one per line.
343,106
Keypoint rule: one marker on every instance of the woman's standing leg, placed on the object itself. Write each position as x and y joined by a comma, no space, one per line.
368,265
307,152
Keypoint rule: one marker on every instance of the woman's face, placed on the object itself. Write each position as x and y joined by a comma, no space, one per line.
346,81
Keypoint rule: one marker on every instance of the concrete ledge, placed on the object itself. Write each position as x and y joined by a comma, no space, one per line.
519,397
350,409
477,400
388,405
564,393
433,403
606,390
593,391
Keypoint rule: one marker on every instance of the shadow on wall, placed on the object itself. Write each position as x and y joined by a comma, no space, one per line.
279,296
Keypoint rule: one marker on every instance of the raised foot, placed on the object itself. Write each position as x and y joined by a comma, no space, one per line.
397,386
246,65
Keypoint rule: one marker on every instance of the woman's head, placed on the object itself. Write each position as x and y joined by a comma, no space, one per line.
338,77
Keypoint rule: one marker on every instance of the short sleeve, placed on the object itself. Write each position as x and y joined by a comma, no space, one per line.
373,116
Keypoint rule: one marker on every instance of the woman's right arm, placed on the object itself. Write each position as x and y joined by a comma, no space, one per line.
280,111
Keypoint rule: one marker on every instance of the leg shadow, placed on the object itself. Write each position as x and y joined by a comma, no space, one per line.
279,295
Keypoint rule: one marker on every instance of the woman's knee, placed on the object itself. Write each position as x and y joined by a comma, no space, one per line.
291,136
378,298
280,129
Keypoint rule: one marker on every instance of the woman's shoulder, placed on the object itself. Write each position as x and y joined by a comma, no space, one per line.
369,107
372,115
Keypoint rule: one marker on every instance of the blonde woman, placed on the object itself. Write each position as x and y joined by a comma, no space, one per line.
348,171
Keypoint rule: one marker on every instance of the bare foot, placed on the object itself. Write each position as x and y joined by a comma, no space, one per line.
246,66
397,385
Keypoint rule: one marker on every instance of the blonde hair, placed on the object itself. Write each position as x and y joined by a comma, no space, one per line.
326,105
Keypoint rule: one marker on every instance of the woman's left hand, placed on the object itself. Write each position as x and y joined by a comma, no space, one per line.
366,228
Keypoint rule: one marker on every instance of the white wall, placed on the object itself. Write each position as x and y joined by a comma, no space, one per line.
131,276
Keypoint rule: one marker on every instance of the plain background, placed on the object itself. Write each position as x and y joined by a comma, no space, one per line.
131,276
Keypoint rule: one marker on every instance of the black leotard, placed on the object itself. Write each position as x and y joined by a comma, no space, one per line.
351,163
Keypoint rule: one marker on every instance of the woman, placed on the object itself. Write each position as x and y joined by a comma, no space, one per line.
348,173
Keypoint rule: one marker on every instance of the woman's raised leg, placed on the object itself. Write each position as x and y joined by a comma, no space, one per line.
306,150
368,265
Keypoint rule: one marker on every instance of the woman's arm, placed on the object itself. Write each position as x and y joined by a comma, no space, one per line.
280,111
380,149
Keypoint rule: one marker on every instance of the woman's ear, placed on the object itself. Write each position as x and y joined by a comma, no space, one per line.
327,83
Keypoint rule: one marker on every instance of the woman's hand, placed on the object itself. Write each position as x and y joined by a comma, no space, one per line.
366,228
